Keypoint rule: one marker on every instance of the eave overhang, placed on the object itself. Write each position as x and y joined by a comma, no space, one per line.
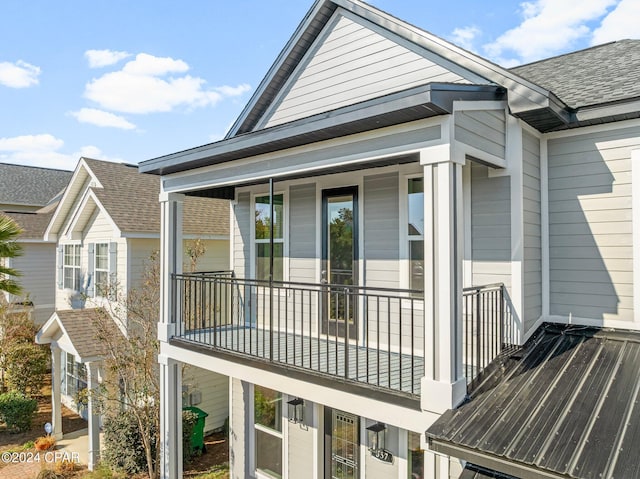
416,103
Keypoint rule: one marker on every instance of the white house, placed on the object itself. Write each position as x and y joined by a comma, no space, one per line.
29,195
406,215
106,227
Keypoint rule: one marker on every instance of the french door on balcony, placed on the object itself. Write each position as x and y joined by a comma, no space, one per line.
341,444
339,261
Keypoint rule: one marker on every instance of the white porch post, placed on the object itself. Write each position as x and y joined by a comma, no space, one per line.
56,385
93,417
170,381
444,385
170,418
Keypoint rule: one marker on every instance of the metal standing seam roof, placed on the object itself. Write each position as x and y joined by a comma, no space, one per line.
131,199
563,406
30,185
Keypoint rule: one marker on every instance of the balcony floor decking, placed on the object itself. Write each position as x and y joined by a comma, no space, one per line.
327,356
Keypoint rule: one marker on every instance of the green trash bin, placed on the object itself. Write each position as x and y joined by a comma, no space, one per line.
197,436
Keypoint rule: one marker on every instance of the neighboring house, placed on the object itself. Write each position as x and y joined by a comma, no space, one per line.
404,212
29,195
106,227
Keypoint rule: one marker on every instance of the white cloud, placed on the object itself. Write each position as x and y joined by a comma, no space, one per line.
103,58
144,85
19,74
621,23
43,150
102,118
549,27
464,37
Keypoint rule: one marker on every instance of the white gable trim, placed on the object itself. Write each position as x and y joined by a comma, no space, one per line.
80,174
89,196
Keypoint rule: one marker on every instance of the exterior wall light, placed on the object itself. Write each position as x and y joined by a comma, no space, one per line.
377,437
296,410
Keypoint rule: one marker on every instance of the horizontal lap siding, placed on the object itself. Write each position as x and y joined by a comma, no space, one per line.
484,130
490,227
590,225
351,64
38,280
532,266
302,233
381,231
215,394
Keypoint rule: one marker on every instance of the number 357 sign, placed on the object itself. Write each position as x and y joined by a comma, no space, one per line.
382,455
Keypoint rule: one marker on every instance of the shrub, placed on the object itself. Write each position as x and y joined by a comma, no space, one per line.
17,411
44,443
189,420
123,447
25,365
49,474
64,467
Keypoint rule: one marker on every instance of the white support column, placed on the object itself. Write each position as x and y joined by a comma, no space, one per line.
444,385
56,399
93,417
515,157
170,257
170,418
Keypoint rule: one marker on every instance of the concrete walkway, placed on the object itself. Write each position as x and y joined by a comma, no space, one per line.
73,447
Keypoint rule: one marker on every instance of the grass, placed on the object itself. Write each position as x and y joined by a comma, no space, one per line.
217,472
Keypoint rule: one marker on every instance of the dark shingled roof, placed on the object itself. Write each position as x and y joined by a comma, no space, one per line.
597,75
33,224
131,199
80,326
565,405
30,185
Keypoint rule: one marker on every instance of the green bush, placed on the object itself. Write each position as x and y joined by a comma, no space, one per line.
25,366
123,447
17,411
189,421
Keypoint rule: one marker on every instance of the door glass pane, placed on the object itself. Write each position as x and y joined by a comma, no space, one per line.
416,264
416,206
344,446
262,261
340,240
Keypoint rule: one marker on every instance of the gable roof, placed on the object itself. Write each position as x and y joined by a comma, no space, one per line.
80,330
30,185
600,74
564,406
130,199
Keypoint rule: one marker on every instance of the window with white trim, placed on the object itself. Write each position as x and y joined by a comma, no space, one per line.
101,269
415,232
75,376
267,419
262,212
71,267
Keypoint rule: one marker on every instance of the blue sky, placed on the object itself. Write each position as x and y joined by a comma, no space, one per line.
132,80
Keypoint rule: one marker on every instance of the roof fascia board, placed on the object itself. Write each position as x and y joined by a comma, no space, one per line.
495,463
46,332
284,53
56,222
440,96
591,113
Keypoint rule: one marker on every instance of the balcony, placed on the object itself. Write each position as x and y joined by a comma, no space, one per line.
360,335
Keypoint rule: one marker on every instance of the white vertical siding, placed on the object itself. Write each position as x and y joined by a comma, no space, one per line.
300,444
241,232
351,63
381,231
214,389
239,429
490,227
484,130
590,225
302,233
532,267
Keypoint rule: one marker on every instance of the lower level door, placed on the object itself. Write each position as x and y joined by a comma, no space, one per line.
342,444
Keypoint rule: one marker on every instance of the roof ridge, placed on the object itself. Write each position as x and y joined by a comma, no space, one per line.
36,167
592,47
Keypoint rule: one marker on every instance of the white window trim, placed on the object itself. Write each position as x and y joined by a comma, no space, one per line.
73,267
282,435
96,294
403,191
285,232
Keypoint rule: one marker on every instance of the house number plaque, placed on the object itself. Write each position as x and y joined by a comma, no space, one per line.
382,455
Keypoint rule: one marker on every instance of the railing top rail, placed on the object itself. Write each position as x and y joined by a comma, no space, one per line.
484,287
356,289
